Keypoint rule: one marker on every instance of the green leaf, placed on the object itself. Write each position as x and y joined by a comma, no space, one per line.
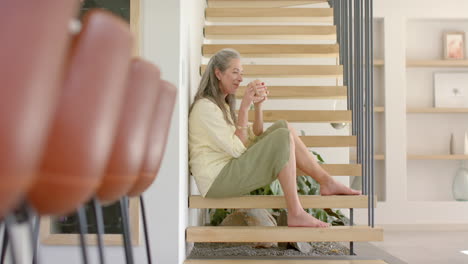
319,158
218,215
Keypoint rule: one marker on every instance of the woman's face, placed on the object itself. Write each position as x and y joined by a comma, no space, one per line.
231,78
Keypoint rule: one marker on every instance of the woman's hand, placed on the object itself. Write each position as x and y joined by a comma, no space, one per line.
261,93
250,95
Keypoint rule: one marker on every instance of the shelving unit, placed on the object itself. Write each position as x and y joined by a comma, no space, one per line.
429,174
412,136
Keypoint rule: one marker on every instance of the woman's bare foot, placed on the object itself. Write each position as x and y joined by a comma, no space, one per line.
333,187
303,219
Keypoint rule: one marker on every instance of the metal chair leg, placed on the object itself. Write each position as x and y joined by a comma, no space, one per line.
100,228
4,245
126,230
145,228
35,239
83,230
33,226
9,222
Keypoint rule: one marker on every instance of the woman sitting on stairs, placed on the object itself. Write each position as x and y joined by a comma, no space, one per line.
229,157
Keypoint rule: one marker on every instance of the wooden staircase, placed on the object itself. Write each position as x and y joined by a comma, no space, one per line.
227,11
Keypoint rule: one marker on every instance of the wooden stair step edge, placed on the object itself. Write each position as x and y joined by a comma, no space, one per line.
329,141
277,201
305,116
301,92
339,169
268,32
289,71
269,14
260,3
280,261
283,234
276,50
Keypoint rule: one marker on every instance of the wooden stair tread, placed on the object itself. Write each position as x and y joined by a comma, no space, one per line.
280,261
269,14
282,234
329,141
289,71
307,116
261,3
277,201
276,50
301,92
269,32
339,169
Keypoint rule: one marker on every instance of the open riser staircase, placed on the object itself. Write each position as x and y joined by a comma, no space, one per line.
266,33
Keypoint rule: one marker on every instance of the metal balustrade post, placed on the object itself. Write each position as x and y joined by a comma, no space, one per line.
345,46
352,66
371,119
368,110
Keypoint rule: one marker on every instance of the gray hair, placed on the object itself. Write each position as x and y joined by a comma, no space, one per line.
209,84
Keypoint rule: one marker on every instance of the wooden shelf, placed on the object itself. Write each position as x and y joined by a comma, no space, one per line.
436,110
378,62
437,157
437,63
379,109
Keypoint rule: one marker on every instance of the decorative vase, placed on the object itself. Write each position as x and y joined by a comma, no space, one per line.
460,184
452,145
337,125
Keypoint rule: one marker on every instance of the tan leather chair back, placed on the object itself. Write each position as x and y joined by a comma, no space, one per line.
31,57
132,132
157,138
84,126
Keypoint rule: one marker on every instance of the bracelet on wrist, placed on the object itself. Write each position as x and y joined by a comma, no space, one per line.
242,127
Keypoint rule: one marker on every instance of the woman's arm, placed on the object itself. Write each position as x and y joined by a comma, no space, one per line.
242,123
258,121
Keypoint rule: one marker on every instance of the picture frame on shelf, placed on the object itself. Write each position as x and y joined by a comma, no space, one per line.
454,45
451,89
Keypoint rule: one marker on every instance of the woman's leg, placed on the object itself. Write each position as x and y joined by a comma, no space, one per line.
287,178
308,164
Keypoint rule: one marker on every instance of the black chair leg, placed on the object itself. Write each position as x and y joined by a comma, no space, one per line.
83,230
35,239
8,241
4,245
126,230
145,229
100,228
